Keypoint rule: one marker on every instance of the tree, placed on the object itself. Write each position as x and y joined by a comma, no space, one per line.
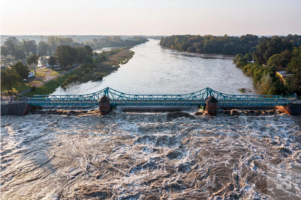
270,46
295,64
43,47
9,79
81,54
19,54
248,57
52,61
4,51
274,61
88,59
89,49
66,55
293,82
10,44
21,69
33,60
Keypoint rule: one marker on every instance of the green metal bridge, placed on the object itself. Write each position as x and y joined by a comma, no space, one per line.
122,99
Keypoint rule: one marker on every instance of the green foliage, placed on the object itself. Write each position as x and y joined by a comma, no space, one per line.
69,80
81,54
21,69
280,60
209,44
33,59
10,43
270,46
52,61
9,79
88,59
44,48
28,46
116,41
102,57
295,64
274,60
89,49
19,54
32,89
4,51
293,83
264,78
66,55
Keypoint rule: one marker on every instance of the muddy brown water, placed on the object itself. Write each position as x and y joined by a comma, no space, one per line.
150,156
157,70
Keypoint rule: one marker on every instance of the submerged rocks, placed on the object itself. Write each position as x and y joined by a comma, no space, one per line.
174,155
173,115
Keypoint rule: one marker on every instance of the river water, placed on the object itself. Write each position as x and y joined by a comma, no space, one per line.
142,156
139,156
156,70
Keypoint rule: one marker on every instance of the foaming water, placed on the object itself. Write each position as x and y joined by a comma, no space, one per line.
148,156
155,70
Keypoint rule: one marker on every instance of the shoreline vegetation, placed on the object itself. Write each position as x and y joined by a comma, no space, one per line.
264,59
20,61
102,65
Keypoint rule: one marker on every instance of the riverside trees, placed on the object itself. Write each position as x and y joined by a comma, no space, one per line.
273,54
231,45
67,55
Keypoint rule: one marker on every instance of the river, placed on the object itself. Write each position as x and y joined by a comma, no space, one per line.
157,70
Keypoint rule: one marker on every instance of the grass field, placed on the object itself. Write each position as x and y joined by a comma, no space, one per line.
44,70
20,88
40,74
55,73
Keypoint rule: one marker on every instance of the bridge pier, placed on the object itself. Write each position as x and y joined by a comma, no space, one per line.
211,105
104,105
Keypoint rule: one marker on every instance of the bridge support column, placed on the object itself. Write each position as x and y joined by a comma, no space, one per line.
104,105
211,105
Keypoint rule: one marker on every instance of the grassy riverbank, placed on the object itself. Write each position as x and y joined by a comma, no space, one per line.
94,72
97,70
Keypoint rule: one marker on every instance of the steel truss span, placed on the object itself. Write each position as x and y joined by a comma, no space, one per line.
122,99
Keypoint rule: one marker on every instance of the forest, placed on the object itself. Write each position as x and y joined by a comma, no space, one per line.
271,56
227,45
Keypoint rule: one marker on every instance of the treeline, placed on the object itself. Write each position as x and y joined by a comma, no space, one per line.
13,76
22,49
272,55
116,41
228,45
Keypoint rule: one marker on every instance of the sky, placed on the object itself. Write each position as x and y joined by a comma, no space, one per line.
152,17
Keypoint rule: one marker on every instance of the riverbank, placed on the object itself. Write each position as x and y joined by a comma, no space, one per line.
84,74
98,70
148,156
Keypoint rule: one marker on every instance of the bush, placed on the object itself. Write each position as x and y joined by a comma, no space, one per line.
32,89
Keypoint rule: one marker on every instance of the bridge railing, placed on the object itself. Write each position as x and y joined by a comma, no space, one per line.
120,98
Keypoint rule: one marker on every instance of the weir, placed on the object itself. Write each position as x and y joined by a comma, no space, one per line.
118,98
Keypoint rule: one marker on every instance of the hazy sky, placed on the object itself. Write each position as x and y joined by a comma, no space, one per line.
153,17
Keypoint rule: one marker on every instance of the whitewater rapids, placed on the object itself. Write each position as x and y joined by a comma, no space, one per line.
148,156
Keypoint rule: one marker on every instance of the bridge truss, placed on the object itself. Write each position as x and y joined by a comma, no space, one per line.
123,99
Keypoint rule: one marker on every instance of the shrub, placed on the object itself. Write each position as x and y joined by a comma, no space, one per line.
32,89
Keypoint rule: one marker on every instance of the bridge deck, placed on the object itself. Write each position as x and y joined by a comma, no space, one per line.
192,99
